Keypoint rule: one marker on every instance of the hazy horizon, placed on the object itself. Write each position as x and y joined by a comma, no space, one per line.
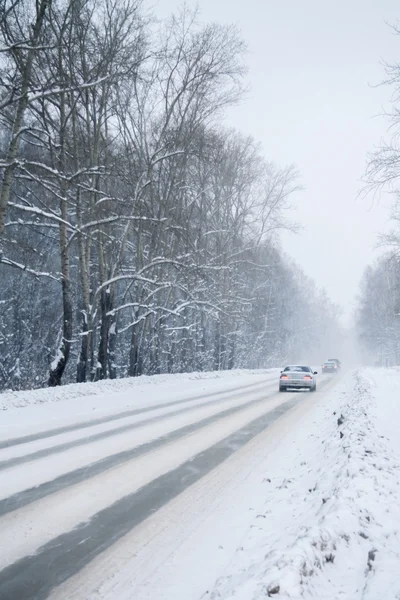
314,102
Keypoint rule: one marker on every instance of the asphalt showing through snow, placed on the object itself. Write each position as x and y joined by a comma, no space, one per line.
33,437
45,452
33,577
38,492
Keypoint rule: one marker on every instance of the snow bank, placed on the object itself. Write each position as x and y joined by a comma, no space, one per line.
72,391
330,527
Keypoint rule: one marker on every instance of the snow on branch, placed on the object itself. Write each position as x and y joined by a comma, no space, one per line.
138,275
11,263
42,213
115,218
56,173
137,321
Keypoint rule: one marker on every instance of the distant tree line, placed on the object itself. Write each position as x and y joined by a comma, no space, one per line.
138,235
378,318
378,313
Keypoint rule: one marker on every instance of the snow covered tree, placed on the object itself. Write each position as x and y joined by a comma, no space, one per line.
378,319
21,29
140,236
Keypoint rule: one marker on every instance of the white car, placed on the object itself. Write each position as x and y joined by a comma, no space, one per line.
298,377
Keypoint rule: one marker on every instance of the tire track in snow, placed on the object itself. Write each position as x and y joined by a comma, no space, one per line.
33,577
45,452
33,494
121,415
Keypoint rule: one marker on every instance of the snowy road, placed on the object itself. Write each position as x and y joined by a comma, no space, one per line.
69,493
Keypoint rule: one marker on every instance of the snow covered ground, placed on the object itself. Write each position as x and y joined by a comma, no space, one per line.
329,526
291,495
39,409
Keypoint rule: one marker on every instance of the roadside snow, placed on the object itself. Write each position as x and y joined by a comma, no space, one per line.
13,399
330,527
37,410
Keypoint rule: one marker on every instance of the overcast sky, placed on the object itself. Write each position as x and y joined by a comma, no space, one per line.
313,101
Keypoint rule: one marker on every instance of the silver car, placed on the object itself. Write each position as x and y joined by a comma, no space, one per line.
298,377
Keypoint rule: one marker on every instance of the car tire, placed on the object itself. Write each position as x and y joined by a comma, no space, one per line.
282,389
313,389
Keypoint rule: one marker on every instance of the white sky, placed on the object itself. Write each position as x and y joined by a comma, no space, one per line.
311,64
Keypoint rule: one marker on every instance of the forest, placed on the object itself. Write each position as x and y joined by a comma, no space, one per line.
139,233
377,323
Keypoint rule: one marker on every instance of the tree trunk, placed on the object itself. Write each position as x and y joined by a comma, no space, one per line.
112,342
217,347
83,362
57,368
86,340
102,357
134,354
232,351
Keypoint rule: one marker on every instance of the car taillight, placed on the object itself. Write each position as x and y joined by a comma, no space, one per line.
307,377
284,377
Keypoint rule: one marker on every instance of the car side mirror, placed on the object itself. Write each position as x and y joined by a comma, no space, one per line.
315,372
